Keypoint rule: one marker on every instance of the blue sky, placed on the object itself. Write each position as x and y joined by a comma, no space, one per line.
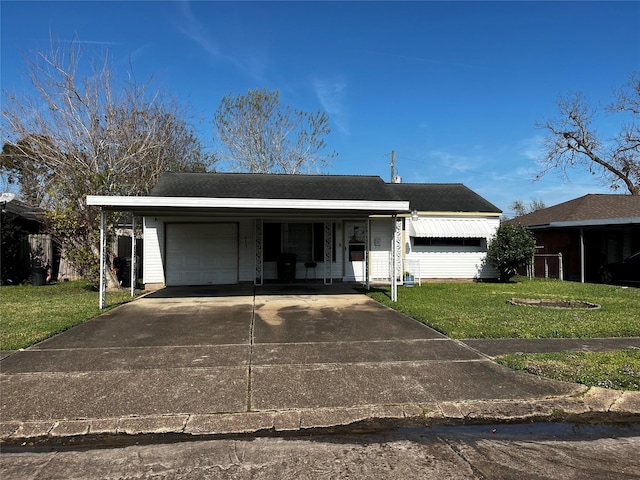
454,88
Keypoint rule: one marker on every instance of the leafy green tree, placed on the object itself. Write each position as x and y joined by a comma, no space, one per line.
512,248
81,130
261,135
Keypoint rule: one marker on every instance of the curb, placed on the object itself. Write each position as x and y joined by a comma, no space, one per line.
594,405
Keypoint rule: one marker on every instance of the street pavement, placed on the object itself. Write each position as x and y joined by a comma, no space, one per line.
533,451
211,361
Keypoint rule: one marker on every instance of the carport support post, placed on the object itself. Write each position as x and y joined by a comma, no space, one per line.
134,276
366,253
396,253
103,248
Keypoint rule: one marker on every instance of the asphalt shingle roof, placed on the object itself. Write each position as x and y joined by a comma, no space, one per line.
588,207
442,197
421,196
22,210
260,185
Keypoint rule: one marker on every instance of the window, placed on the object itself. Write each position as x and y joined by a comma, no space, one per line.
305,240
271,241
446,242
296,238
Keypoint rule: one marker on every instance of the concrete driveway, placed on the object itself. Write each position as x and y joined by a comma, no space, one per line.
239,349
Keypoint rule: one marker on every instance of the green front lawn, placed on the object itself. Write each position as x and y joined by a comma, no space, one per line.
30,314
480,310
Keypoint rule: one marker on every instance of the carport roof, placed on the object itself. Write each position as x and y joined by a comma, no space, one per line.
246,194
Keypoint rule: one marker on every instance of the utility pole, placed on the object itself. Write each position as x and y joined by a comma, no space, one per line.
393,166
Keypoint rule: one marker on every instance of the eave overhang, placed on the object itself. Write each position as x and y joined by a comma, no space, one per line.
163,205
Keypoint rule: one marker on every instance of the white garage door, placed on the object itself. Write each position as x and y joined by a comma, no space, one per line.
202,253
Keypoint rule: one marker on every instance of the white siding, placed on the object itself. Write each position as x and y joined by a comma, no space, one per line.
152,268
453,262
247,250
380,250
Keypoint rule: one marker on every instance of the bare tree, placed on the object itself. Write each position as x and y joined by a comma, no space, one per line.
519,208
573,140
263,136
76,135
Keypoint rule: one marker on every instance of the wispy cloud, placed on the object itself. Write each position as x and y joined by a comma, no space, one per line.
252,61
192,28
452,161
77,41
331,93
533,148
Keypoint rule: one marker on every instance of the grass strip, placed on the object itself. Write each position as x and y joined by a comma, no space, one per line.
29,314
618,370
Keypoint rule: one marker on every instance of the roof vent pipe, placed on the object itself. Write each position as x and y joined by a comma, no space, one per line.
397,179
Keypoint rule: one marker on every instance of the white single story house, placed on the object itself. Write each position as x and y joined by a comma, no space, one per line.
227,228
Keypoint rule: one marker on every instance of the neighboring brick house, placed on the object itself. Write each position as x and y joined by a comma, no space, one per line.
589,231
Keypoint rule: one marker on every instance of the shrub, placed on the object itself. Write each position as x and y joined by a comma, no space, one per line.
512,248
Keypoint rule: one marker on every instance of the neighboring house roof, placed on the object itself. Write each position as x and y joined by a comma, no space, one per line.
442,197
591,209
24,211
272,186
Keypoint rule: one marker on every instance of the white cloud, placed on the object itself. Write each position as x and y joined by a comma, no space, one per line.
533,148
331,93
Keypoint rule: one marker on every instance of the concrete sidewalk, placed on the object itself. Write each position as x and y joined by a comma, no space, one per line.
216,361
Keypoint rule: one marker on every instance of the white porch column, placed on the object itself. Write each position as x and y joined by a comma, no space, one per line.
103,248
328,251
134,276
259,277
367,246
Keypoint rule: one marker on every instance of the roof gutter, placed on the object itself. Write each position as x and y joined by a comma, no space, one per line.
133,203
588,223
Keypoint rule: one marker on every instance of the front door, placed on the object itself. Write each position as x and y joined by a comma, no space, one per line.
355,258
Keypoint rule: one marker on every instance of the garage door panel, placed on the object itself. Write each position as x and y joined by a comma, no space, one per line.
202,253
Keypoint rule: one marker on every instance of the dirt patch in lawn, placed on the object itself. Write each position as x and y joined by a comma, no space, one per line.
553,303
